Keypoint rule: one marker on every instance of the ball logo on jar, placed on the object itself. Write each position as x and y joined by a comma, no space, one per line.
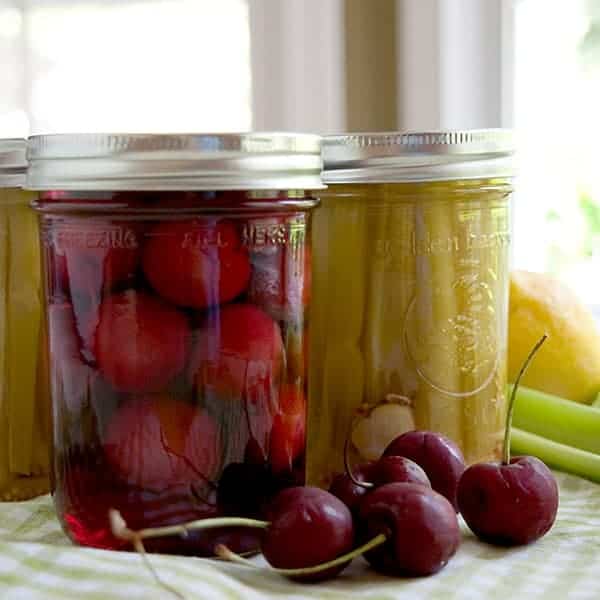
456,352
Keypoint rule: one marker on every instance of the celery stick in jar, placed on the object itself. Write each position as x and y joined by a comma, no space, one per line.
391,282
499,219
4,408
482,223
479,355
23,317
390,377
400,287
42,424
435,312
484,427
318,310
336,385
379,249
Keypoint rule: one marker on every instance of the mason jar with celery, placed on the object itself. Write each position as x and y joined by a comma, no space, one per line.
410,284
24,400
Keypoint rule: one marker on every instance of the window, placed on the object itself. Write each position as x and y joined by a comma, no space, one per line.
177,65
557,100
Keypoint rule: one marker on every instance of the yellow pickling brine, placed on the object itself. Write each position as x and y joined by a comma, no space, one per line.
410,294
24,401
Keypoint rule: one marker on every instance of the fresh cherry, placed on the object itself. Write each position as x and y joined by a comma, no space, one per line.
512,502
308,526
420,525
509,504
440,458
344,486
141,342
352,485
398,469
238,355
157,442
308,537
196,263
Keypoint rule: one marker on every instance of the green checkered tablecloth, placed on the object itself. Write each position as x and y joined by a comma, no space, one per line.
38,562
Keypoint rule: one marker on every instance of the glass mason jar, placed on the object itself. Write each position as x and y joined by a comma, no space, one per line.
410,294
24,401
177,276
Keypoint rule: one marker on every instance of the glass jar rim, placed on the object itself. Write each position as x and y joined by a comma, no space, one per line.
204,161
407,156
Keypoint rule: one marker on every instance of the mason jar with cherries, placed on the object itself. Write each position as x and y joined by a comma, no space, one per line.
177,280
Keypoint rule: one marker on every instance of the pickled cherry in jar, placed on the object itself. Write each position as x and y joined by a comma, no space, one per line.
177,335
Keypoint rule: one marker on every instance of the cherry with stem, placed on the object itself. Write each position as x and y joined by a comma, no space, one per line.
307,526
514,501
120,530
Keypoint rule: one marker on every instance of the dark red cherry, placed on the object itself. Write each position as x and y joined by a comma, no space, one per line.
349,492
439,457
509,504
308,526
397,469
420,524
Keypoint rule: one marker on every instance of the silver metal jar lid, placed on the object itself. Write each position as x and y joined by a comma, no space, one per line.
245,161
13,163
412,156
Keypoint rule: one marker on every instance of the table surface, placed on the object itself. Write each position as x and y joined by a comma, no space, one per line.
38,561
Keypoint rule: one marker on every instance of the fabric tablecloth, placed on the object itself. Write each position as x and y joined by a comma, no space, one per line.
38,561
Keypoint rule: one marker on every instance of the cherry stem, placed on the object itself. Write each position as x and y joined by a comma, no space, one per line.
225,553
363,484
513,395
139,548
120,530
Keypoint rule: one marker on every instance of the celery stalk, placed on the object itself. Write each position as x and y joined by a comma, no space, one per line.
557,419
321,223
4,471
560,456
336,365
377,221
23,320
42,425
472,271
483,271
436,309
396,373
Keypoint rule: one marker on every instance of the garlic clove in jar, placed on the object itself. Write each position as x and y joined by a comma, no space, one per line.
373,433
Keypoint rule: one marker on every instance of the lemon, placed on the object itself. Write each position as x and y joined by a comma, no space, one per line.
568,364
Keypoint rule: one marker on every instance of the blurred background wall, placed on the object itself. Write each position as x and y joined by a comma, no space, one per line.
324,65
329,66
